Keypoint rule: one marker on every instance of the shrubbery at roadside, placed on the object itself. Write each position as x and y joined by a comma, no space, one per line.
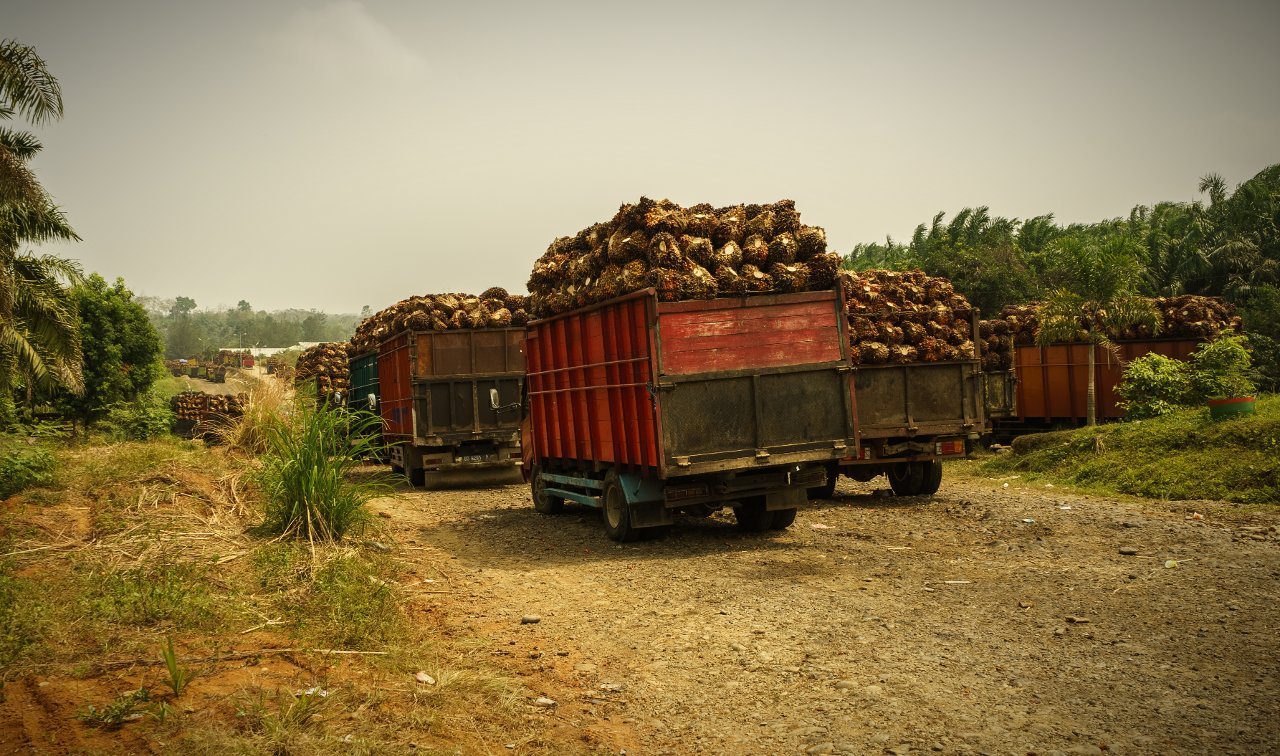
24,466
1155,385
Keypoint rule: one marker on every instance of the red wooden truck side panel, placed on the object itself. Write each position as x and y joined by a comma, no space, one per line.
395,402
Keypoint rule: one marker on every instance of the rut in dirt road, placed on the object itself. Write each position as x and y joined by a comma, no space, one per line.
980,620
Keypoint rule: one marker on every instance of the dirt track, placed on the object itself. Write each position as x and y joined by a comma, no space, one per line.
984,620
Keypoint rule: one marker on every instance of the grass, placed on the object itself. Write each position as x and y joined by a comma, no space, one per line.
1179,456
24,465
307,471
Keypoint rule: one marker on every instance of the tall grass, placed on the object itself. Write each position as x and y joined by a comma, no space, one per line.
270,404
306,473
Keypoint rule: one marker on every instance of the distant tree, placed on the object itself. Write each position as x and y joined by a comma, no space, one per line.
313,327
365,311
121,350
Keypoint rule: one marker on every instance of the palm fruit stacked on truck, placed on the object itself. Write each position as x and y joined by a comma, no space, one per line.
493,308
1188,316
997,345
699,252
326,366
905,316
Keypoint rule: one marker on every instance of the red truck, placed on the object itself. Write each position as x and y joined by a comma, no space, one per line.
450,400
643,408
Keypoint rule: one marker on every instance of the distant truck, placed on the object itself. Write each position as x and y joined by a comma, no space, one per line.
911,417
449,400
644,408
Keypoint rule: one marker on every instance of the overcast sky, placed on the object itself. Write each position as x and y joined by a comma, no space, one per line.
330,155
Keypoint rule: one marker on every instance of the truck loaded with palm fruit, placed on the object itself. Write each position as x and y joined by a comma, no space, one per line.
691,359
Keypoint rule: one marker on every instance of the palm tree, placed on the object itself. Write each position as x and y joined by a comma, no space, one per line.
1101,269
39,332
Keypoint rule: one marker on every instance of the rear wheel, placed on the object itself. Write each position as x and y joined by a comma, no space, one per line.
782,518
931,476
906,478
617,515
544,502
828,489
752,515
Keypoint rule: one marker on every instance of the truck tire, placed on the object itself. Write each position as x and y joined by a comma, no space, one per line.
752,515
905,478
828,489
416,476
782,518
543,503
617,515
930,477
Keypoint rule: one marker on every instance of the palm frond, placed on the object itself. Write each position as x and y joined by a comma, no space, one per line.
26,84
23,144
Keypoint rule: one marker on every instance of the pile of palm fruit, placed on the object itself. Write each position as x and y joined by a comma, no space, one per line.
1182,317
198,413
494,308
190,405
997,345
699,252
905,316
326,366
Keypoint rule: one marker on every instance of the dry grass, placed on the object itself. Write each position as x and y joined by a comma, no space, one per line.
150,542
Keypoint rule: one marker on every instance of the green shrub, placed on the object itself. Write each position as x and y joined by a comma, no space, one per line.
148,596
348,606
306,470
22,616
1154,385
23,467
139,420
1220,369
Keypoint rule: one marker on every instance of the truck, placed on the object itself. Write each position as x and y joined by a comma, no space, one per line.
642,408
1048,386
911,416
450,400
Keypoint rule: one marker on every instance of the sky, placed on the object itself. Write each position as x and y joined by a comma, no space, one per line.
332,154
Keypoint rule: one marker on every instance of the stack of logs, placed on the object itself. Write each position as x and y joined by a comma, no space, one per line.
699,252
325,365
494,308
905,316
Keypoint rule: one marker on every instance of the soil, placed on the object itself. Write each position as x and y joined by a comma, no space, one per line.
986,619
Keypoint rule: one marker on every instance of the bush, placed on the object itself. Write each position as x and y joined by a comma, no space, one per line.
1154,385
139,420
305,473
23,467
1220,369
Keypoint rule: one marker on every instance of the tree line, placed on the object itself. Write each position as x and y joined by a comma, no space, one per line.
1225,244
187,331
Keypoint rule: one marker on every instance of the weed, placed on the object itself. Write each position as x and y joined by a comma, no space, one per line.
306,474
349,606
23,617
25,466
125,708
179,677
171,594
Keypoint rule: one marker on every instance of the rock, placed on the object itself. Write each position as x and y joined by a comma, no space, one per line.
936,747
376,546
425,678
613,687
585,668
847,748
900,750
530,619
821,748
1059,631
1085,750
1128,551
880,738
385,514
544,702
846,685
737,647
1077,620
873,691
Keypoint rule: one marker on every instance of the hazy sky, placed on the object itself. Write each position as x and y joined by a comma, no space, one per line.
330,155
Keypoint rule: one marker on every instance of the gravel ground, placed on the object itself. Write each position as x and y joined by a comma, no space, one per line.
985,619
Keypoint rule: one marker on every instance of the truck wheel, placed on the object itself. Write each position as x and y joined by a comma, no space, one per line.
543,502
617,515
416,476
782,518
905,478
752,515
931,476
828,489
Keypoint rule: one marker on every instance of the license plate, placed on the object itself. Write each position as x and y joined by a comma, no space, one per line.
476,457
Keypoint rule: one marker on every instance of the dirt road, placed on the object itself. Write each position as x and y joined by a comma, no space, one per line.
984,620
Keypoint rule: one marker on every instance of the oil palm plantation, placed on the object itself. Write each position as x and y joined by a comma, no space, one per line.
39,334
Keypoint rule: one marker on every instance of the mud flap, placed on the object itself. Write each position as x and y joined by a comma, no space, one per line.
786,498
650,514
